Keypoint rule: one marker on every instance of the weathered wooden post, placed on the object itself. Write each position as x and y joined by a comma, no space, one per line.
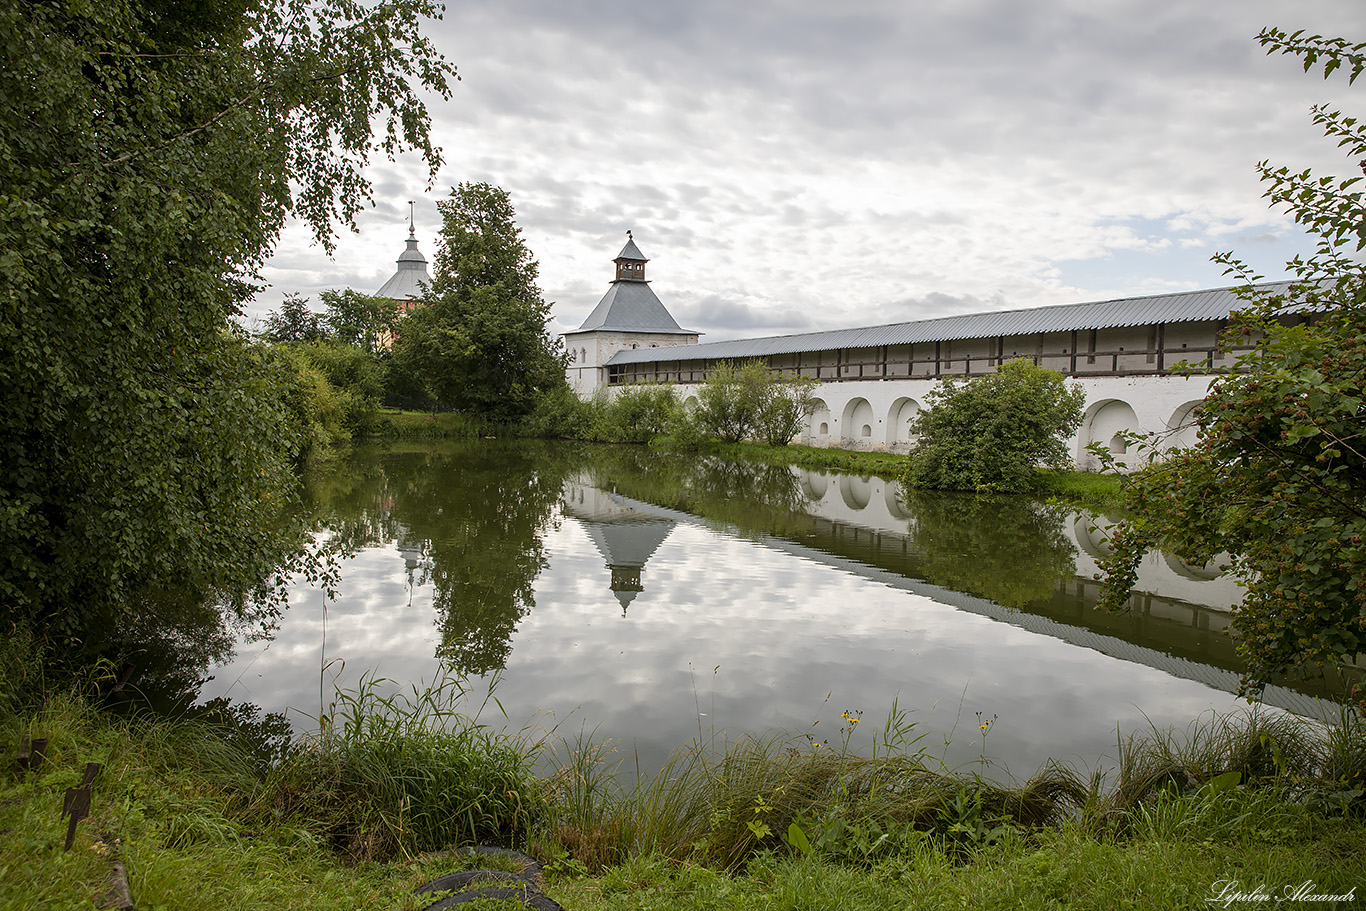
31,752
76,802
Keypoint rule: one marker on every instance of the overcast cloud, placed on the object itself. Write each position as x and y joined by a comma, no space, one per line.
792,165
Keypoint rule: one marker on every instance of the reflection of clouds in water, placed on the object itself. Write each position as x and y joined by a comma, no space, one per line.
376,625
784,631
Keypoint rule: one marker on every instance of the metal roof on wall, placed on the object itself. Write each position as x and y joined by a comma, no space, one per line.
1181,307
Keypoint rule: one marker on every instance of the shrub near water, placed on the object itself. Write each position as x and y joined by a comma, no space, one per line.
401,774
989,433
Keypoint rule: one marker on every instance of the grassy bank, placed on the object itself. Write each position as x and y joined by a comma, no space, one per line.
204,814
391,424
1081,489
869,464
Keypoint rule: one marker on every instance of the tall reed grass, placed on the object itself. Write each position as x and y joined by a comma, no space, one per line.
403,773
722,803
719,802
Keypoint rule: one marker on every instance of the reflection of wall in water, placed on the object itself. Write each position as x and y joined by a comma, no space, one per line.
1159,572
874,504
626,537
1182,639
1176,608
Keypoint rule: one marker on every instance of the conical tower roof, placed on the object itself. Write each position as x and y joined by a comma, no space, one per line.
630,305
631,251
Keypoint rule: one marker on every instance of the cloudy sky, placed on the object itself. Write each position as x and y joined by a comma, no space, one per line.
794,165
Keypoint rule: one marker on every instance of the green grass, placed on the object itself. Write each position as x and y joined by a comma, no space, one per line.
1085,489
359,815
400,774
869,464
389,424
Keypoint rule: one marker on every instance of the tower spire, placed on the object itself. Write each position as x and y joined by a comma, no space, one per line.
412,229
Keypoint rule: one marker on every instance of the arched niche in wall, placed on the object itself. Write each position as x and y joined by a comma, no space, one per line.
819,427
1181,426
1107,422
899,418
857,425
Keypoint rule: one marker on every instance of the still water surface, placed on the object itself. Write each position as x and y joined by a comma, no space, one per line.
653,598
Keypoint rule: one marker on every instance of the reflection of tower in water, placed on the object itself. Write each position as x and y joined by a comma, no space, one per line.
417,559
625,537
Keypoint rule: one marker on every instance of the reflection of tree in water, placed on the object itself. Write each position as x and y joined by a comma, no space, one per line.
1008,549
169,646
468,518
351,498
483,508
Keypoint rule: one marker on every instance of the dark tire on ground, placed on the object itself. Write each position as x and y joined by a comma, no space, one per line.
533,900
463,879
531,867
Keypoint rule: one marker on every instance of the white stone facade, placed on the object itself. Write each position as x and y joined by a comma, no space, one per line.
875,415
590,351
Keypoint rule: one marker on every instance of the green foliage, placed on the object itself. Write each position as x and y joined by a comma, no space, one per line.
729,402
295,322
312,404
360,320
560,414
479,343
423,425
356,378
751,401
989,433
149,155
1278,474
631,414
787,404
637,414
333,395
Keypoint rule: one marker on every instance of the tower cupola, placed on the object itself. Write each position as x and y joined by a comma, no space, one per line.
630,262
410,282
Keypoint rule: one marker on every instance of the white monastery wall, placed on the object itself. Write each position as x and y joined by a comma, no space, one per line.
875,415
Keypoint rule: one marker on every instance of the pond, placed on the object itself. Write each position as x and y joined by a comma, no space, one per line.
652,599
